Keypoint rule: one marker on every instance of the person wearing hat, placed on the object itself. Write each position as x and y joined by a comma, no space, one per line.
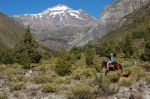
110,61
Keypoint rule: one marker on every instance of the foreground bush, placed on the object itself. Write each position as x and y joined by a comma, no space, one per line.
114,76
105,85
16,86
81,73
49,88
81,91
42,79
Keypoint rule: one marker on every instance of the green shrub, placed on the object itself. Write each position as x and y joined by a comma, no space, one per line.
114,77
7,56
3,96
17,78
138,35
81,73
146,54
42,79
62,81
89,56
15,86
146,66
75,53
125,82
81,91
106,48
25,60
63,67
127,46
138,72
49,88
105,86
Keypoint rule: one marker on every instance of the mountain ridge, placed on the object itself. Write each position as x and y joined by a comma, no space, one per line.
53,22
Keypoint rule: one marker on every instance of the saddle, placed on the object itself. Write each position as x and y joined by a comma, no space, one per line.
113,62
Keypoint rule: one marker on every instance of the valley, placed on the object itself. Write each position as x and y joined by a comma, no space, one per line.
62,53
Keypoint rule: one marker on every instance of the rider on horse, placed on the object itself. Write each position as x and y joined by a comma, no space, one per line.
111,61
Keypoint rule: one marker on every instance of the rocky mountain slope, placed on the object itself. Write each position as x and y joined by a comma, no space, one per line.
113,16
10,31
134,22
60,26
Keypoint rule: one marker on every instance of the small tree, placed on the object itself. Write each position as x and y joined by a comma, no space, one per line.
89,56
7,56
146,54
63,65
29,46
127,46
75,53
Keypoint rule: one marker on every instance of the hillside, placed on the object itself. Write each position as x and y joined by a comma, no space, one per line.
136,21
112,16
10,31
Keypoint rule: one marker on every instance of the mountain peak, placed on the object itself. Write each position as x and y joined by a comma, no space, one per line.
59,7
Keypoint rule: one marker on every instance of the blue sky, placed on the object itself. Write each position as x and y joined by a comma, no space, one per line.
14,7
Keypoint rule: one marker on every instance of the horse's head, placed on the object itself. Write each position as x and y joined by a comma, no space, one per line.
104,64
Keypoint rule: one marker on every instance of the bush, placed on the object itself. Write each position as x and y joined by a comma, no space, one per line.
89,56
75,53
25,60
146,66
125,82
81,91
49,88
7,56
16,86
83,73
146,54
61,80
3,96
106,48
42,79
127,47
138,35
63,67
17,78
105,87
114,77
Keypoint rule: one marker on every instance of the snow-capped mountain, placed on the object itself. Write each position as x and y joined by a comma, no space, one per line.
57,16
60,25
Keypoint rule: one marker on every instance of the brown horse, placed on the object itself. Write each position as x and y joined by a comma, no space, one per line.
115,67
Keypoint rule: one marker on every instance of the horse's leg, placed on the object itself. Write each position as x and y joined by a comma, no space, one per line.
106,72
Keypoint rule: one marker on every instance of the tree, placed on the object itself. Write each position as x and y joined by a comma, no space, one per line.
7,56
64,63
75,53
106,48
25,60
127,46
89,56
146,54
29,46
